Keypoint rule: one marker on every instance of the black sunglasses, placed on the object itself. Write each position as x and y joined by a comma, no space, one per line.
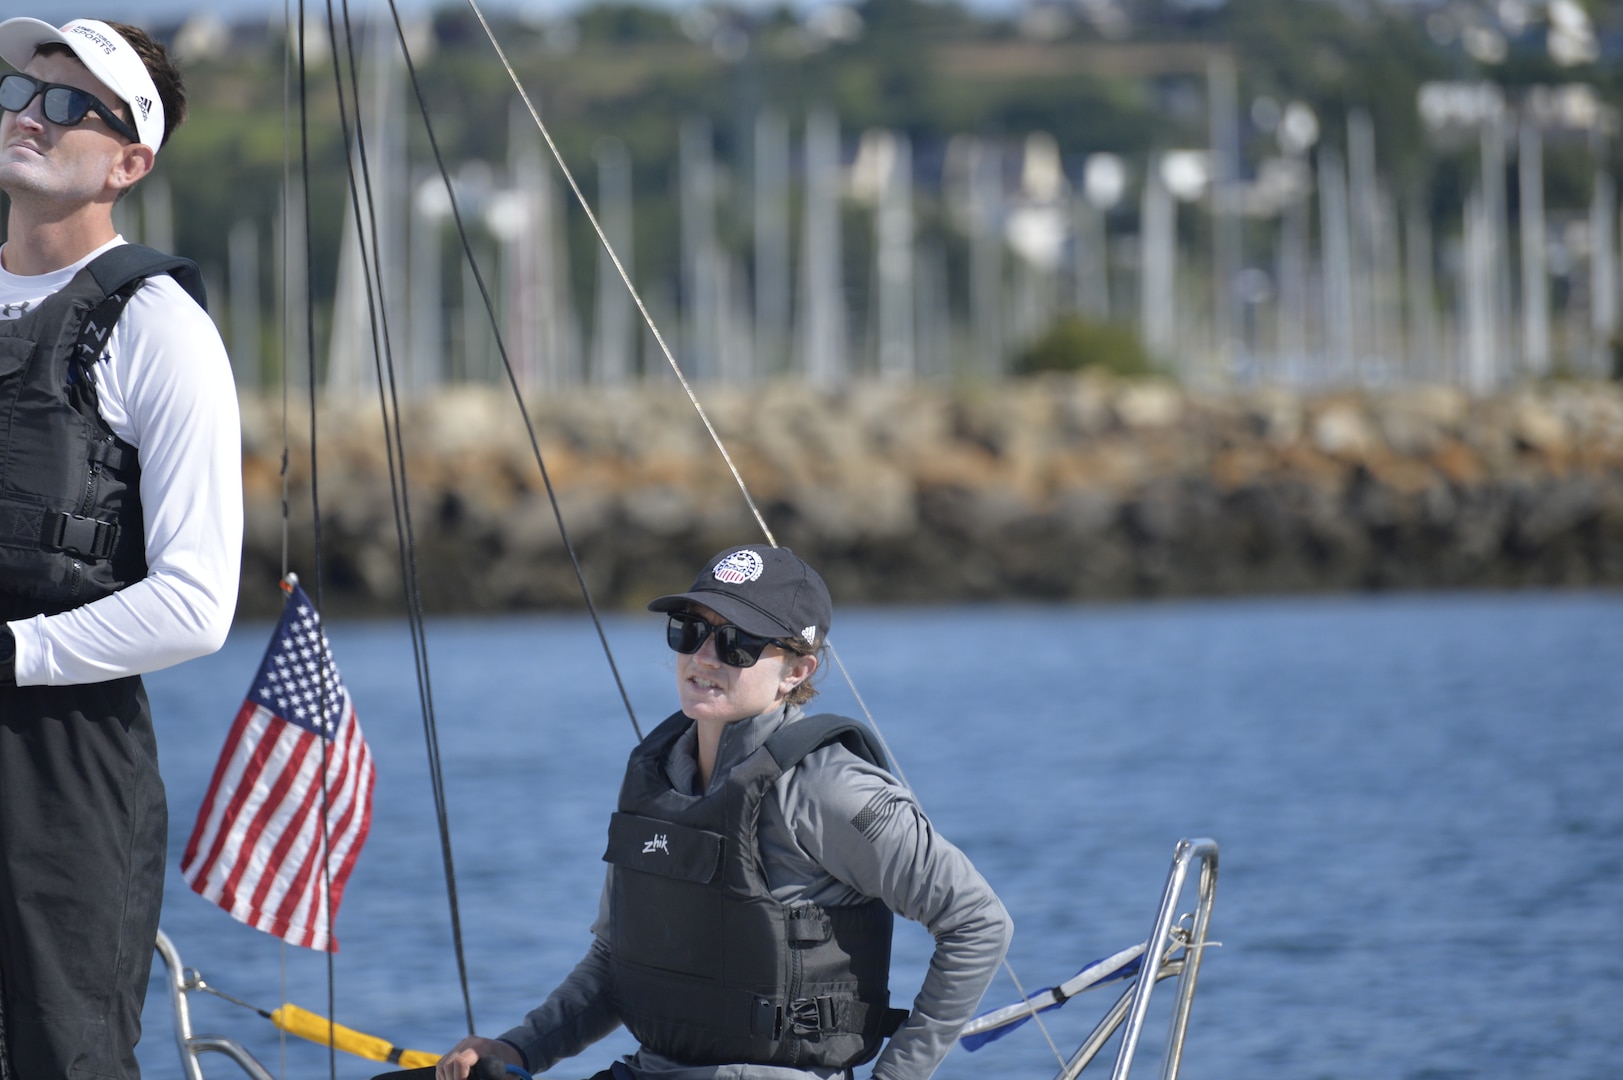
736,648
64,105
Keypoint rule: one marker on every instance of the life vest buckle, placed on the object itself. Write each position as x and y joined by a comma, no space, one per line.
810,1016
84,537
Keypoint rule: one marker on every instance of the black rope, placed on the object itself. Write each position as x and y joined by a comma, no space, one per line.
315,497
512,376
286,240
389,406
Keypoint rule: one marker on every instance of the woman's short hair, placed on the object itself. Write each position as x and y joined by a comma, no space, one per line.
805,691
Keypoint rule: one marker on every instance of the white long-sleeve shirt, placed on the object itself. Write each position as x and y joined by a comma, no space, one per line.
165,387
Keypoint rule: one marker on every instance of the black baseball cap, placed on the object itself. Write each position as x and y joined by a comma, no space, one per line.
763,590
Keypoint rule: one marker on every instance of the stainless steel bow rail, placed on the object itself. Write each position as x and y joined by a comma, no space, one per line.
1176,943
183,980
1164,941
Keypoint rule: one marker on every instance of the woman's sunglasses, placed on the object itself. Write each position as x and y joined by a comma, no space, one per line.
64,105
736,648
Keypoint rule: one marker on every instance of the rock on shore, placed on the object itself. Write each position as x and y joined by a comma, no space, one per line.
1062,488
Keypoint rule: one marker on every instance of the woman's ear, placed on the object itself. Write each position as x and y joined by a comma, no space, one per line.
802,668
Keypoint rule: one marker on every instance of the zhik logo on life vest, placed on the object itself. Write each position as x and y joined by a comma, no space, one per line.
739,567
658,844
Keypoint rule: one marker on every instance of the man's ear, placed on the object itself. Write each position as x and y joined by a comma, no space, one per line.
134,162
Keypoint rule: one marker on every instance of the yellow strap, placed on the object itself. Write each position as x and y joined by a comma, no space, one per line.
307,1025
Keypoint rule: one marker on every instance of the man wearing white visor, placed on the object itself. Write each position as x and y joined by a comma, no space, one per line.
120,536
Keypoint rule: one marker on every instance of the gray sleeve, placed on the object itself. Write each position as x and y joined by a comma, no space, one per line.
867,830
575,1015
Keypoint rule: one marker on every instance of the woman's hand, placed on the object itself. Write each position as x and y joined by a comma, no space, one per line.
458,1062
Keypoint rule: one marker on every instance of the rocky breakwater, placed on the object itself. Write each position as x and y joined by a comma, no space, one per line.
1053,489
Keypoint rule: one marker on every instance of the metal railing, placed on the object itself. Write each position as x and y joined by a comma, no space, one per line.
1179,948
1177,941
181,981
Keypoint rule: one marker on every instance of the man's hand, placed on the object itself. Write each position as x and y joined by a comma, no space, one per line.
459,1061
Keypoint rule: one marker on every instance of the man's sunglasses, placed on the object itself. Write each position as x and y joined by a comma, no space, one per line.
64,105
736,648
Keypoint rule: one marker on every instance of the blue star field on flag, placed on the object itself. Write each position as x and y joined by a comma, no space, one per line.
298,671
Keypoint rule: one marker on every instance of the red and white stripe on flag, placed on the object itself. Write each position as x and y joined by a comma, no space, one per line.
290,802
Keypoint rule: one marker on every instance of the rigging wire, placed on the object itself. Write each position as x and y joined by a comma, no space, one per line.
390,409
285,238
1036,1015
315,496
507,365
625,277
687,387
665,349
389,405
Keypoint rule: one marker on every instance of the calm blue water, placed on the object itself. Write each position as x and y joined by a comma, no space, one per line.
1417,800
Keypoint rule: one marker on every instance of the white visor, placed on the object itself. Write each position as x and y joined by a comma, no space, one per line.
104,53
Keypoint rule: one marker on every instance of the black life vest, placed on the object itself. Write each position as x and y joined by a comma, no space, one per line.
707,967
71,528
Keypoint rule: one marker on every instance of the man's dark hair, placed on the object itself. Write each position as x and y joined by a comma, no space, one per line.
165,75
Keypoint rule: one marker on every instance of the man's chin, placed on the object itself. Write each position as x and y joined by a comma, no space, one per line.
15,171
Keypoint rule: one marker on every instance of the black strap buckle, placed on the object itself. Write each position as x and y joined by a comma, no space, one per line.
766,1020
87,538
809,1016
802,1016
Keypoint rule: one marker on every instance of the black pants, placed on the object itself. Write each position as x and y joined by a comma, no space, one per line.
83,834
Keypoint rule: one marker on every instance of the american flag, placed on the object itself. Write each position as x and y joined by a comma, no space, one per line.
291,799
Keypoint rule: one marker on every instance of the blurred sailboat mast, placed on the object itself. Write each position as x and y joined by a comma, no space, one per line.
614,332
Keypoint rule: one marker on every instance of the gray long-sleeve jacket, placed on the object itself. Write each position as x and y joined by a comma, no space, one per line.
836,830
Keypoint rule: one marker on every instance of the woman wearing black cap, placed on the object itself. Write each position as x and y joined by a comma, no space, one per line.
755,861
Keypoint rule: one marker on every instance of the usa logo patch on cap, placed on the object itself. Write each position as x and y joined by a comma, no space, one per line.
739,567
